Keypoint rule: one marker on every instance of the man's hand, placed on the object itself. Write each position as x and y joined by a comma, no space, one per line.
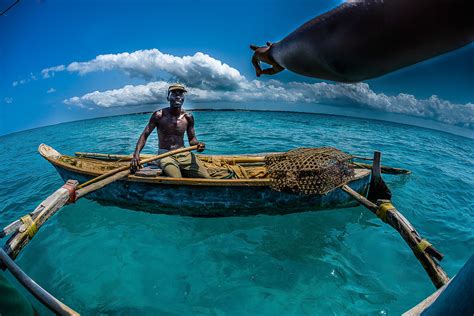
201,147
135,164
263,54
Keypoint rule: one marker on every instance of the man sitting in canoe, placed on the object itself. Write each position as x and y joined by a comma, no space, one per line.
172,123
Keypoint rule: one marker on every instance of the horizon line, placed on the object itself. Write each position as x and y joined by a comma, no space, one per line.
257,110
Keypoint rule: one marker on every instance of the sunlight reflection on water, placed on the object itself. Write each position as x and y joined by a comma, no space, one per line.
109,260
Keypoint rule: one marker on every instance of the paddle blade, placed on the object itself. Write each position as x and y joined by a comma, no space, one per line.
378,190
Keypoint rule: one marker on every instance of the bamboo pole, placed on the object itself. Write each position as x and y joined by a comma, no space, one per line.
28,225
410,235
423,251
233,158
36,290
10,228
100,184
50,202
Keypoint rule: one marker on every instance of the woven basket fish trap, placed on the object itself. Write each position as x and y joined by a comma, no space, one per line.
309,171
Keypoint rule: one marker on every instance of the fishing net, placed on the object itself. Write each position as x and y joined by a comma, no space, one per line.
309,171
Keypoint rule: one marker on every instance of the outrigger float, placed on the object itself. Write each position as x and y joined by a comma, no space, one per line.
242,185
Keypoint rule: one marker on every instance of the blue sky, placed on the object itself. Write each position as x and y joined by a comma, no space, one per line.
201,43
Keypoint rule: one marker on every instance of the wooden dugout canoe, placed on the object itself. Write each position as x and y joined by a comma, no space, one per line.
198,197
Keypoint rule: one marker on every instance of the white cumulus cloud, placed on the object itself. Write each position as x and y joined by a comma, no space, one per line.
199,70
211,80
51,90
359,95
126,96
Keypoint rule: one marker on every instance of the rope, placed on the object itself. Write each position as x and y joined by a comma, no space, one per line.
31,228
422,245
383,209
70,185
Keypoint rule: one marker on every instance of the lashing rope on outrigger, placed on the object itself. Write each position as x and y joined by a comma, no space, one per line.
29,226
384,207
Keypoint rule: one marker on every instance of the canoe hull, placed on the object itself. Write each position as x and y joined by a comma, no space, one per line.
213,201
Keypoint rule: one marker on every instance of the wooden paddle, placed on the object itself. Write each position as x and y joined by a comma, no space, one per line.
116,174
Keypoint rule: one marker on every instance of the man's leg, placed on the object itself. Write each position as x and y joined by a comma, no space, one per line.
170,167
192,167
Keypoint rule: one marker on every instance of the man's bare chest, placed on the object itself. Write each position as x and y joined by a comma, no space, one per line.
172,125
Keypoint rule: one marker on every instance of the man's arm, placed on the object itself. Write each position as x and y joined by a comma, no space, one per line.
364,39
192,133
152,123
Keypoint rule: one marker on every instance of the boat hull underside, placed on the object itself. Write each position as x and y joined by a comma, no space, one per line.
213,201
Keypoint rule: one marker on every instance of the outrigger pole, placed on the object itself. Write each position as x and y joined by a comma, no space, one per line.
378,202
26,227
41,294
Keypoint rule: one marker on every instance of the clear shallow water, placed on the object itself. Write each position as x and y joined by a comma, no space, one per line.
109,260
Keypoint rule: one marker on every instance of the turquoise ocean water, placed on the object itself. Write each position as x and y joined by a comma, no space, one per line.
107,260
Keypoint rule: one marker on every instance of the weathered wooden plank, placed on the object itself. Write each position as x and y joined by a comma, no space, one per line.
49,201
39,216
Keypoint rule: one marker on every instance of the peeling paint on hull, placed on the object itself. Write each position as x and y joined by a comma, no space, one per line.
214,201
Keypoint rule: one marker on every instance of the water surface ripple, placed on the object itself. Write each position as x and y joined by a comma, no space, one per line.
105,260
